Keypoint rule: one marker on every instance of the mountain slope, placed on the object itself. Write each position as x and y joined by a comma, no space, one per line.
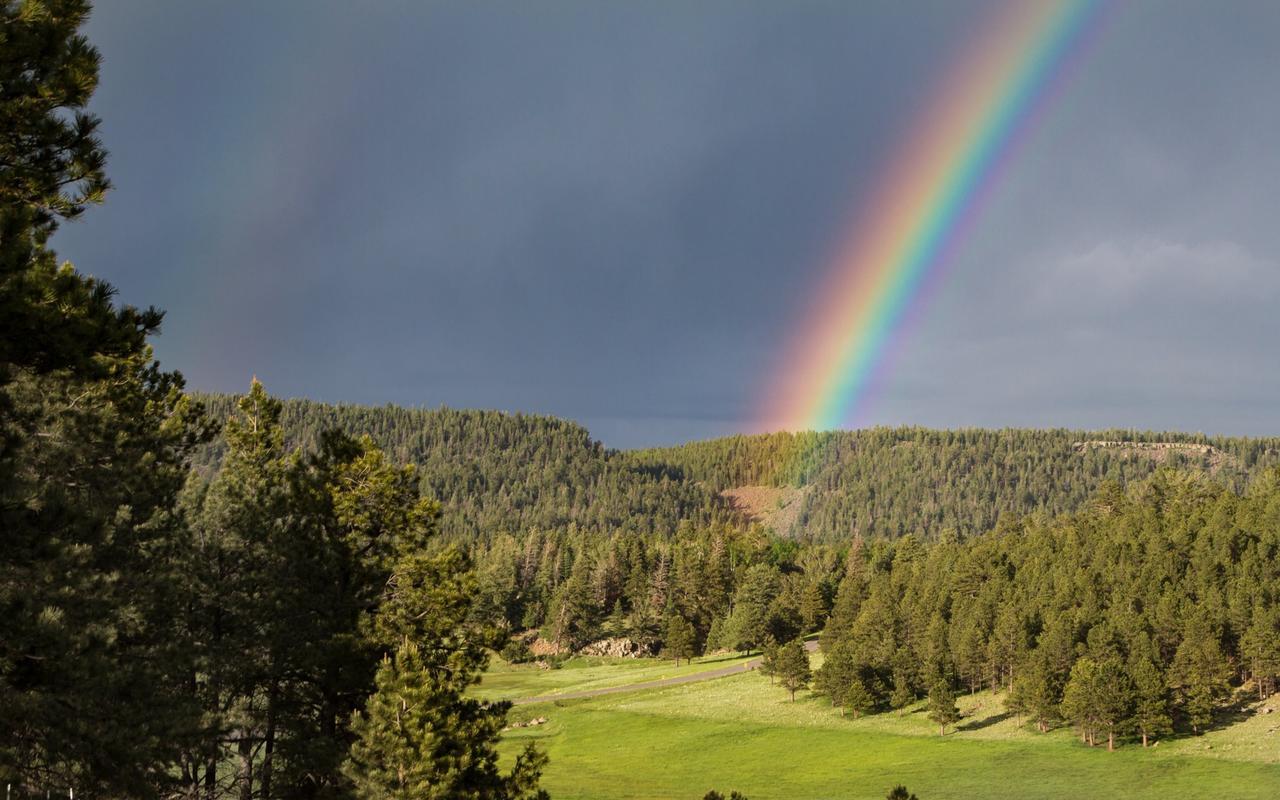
495,472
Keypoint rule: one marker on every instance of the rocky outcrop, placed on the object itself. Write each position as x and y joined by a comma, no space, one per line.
619,647
539,647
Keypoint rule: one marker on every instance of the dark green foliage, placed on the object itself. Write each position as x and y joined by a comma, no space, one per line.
769,658
885,482
89,667
1099,698
1260,648
94,441
516,652
52,166
678,638
748,625
793,667
419,735
497,473
1151,699
1200,672
942,706
859,699
900,793
714,795
851,685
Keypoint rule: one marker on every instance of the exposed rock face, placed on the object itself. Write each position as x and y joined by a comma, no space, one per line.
1161,451
538,646
617,648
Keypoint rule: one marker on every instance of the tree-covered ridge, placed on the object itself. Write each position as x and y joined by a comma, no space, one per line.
1138,615
897,481
512,473
494,472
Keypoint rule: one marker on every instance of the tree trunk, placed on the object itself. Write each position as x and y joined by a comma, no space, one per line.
211,778
272,702
942,730
1144,738
1111,741
245,749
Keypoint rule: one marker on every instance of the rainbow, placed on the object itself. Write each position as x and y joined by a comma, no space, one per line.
925,201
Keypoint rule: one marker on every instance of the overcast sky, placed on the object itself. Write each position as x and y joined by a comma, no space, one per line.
617,213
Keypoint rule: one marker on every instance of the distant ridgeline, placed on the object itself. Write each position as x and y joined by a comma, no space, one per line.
505,473
509,473
894,481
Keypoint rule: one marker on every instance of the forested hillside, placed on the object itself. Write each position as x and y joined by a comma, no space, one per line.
511,473
504,473
895,481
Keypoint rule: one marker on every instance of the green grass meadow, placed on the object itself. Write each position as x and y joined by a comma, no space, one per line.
742,733
509,681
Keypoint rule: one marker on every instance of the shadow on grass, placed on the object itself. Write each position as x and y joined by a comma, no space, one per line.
986,722
722,657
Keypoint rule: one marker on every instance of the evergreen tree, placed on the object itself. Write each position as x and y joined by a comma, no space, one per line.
94,440
1099,696
813,607
904,687
1200,672
1037,693
769,658
900,793
1079,698
836,675
793,667
240,611
1260,647
1151,706
748,623
858,698
942,706
420,736
678,639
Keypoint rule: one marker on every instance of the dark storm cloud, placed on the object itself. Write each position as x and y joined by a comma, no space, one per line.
615,213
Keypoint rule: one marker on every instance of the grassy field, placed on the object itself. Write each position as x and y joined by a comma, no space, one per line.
509,681
741,733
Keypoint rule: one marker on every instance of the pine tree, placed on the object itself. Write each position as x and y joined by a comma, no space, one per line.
942,706
813,607
793,667
748,623
900,793
1114,699
240,600
838,672
859,699
1037,693
1079,697
1151,708
94,440
769,658
678,641
1200,672
904,686
420,736
1260,647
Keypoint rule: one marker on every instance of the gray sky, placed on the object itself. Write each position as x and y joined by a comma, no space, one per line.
617,213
